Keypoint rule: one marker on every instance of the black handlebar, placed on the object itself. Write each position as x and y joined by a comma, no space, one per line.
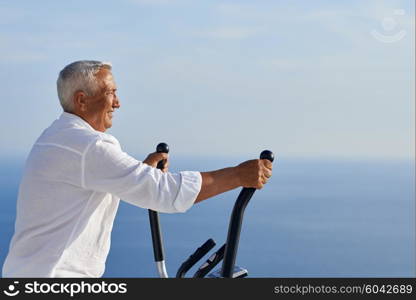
236,220
154,216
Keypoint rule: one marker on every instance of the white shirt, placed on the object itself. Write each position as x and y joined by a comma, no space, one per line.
69,194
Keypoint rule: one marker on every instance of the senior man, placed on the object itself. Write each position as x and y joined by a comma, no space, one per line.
76,174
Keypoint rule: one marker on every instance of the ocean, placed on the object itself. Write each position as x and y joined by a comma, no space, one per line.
315,218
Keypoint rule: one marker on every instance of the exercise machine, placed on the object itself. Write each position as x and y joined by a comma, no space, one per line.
226,253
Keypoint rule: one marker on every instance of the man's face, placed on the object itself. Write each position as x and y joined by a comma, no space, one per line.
98,109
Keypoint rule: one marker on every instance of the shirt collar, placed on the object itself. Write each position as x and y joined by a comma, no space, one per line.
75,120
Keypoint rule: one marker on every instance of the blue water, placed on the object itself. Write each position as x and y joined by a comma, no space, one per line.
315,218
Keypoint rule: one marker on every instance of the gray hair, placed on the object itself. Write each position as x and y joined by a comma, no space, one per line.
78,76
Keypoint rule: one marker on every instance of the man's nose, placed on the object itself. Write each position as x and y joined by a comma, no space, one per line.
116,103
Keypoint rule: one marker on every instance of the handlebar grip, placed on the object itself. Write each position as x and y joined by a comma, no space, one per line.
267,154
162,148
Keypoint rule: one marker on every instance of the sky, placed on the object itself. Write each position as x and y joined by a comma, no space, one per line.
222,78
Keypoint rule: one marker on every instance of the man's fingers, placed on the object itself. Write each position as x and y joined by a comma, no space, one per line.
154,158
267,163
255,173
165,166
162,155
260,185
165,162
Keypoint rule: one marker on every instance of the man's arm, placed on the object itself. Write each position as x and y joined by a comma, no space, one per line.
252,173
217,182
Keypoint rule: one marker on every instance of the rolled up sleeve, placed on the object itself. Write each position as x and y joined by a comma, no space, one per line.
106,168
189,189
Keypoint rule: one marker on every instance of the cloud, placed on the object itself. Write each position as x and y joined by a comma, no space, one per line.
231,33
156,2
17,50
348,21
11,15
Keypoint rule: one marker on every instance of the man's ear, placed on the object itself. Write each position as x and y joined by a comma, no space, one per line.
80,101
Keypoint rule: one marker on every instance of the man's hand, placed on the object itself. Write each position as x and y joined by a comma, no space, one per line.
254,173
153,158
